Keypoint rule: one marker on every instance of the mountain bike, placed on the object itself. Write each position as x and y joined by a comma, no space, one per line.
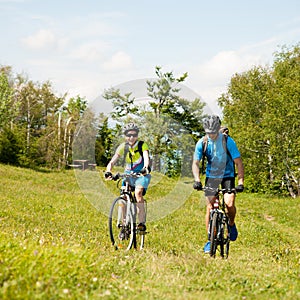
218,229
123,230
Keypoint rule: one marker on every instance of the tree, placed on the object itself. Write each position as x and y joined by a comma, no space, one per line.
164,120
71,114
179,116
261,107
282,119
244,107
103,147
37,121
123,105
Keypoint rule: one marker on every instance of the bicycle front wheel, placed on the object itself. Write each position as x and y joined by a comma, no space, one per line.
120,224
213,235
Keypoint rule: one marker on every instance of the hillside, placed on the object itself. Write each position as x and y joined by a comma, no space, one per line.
54,245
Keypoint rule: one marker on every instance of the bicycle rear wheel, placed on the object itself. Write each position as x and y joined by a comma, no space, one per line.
214,235
121,229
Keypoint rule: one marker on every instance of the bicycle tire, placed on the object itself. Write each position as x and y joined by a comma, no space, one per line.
227,238
116,225
214,235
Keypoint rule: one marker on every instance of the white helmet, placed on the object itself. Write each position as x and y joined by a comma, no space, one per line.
212,124
129,127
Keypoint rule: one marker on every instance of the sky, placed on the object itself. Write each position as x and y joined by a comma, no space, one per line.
86,47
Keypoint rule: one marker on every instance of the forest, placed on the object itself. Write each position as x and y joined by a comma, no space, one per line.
42,130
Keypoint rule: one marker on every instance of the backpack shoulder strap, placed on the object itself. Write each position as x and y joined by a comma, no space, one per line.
140,146
204,148
204,145
225,138
224,142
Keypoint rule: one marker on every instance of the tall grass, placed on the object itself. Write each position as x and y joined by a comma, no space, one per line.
54,244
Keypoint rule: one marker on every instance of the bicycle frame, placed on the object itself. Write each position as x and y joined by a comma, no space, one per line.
129,197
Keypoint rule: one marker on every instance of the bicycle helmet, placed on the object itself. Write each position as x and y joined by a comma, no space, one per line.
212,124
129,127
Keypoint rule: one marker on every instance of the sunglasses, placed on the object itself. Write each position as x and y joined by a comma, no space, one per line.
132,135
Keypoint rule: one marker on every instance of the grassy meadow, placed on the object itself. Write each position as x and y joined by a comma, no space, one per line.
54,244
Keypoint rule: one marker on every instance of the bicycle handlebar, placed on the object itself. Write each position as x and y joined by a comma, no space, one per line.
217,190
126,175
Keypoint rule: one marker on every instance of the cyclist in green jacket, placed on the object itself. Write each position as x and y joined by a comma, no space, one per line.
134,162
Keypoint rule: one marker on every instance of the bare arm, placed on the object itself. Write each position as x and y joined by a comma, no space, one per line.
112,162
240,169
146,158
196,170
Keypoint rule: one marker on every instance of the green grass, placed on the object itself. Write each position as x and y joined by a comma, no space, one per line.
54,244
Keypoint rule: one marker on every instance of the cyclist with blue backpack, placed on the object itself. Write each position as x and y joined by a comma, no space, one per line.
222,157
136,159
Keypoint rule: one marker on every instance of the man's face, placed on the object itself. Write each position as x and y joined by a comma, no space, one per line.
131,137
213,136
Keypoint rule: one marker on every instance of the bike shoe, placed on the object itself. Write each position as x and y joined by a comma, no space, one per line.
207,247
141,227
233,232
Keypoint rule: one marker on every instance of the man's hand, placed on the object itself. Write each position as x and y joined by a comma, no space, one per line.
197,185
108,175
239,188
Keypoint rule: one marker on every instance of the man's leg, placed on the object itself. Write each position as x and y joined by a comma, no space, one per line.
140,204
230,204
209,206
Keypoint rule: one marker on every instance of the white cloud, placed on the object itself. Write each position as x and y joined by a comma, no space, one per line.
223,65
119,60
212,77
92,51
40,40
95,28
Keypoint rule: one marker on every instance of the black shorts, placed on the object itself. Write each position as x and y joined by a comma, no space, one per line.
214,183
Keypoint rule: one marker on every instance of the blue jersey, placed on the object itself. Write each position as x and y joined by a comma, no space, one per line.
219,163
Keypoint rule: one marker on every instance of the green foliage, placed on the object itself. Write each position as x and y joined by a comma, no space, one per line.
9,147
165,121
261,107
123,105
34,124
83,146
55,245
163,90
7,104
103,147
